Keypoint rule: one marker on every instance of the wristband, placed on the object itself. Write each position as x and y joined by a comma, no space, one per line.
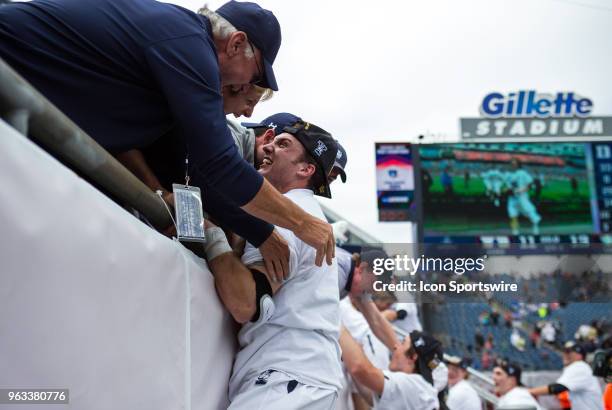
216,243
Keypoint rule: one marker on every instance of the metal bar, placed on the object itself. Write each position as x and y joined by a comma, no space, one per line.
18,119
485,394
65,140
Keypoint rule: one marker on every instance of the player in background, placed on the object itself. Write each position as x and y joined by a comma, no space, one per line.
493,180
461,395
519,182
408,384
507,379
361,317
358,312
577,378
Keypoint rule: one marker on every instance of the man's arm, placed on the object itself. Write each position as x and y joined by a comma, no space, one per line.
378,323
239,287
554,388
190,83
358,365
259,233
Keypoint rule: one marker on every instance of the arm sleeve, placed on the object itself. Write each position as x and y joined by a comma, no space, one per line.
228,214
187,72
556,388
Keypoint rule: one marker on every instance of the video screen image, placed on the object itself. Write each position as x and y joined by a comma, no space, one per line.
478,189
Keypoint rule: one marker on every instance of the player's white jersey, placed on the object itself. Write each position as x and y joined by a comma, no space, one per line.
584,390
301,336
519,396
462,396
403,391
358,327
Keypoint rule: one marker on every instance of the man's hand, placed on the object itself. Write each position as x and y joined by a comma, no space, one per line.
320,235
168,198
275,252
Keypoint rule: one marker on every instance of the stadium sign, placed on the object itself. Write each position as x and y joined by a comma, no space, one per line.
527,113
394,182
532,104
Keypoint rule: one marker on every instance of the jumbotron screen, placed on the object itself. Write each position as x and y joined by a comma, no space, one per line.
516,192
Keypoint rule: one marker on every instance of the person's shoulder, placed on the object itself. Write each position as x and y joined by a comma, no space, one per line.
579,367
412,387
460,390
243,137
164,21
412,379
467,388
178,15
305,199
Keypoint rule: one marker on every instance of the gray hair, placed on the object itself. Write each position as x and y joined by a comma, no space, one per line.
221,28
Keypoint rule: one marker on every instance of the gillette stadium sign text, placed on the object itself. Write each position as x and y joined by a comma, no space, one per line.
527,113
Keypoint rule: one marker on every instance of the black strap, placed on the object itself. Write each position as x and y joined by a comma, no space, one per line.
262,288
556,388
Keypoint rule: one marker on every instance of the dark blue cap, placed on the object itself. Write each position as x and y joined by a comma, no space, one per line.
320,145
277,121
513,369
262,29
463,362
577,347
341,161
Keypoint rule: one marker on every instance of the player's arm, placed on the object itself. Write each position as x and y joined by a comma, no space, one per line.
240,287
358,365
378,323
553,388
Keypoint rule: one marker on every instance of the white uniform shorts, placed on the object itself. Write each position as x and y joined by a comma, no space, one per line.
274,390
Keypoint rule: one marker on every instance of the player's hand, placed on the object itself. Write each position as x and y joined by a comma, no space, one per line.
275,252
320,235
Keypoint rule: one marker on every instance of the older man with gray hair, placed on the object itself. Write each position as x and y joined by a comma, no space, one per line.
128,71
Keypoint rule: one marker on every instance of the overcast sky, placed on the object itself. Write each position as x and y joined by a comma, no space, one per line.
391,70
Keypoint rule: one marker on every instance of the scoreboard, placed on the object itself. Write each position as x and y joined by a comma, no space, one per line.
467,194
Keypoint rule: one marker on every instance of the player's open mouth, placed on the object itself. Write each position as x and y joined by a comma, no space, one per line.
266,161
